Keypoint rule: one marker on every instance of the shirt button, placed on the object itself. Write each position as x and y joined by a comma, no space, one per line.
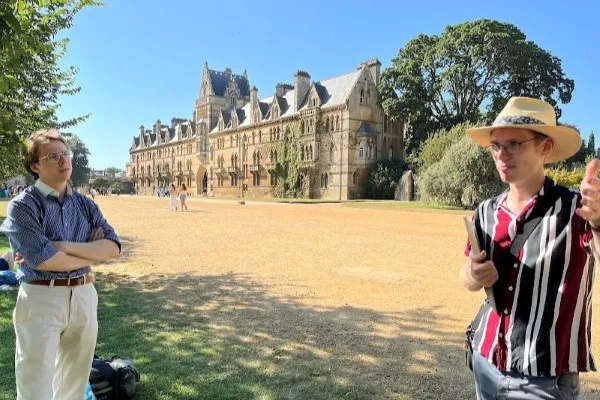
516,265
500,335
506,311
510,288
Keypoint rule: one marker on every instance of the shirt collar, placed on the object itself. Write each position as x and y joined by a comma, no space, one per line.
48,191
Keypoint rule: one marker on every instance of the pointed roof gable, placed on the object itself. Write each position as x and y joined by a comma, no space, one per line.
220,81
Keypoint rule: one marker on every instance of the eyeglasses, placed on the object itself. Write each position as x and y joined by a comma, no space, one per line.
511,146
54,158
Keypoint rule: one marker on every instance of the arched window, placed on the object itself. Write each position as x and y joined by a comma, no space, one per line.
362,96
368,98
232,100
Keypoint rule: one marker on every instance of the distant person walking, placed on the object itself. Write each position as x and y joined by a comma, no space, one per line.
183,196
173,197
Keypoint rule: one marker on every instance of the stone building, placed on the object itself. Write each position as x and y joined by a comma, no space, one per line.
229,147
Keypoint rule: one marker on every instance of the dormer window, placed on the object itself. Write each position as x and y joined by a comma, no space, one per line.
232,100
362,96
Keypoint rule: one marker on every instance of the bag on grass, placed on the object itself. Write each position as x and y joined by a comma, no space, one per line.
113,379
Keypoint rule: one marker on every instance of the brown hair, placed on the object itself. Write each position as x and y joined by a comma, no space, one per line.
183,186
33,143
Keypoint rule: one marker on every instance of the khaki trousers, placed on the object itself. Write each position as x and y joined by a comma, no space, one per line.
56,330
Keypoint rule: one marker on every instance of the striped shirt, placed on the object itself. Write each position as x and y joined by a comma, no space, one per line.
35,218
544,325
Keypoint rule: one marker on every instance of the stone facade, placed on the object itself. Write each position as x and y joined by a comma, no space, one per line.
226,149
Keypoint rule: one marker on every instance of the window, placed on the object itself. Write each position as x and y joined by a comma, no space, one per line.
361,152
337,122
331,152
368,98
232,100
362,96
324,181
355,178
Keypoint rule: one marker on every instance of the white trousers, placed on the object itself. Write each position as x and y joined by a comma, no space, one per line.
56,330
173,201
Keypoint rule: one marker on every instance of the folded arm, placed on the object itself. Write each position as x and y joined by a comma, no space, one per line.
99,250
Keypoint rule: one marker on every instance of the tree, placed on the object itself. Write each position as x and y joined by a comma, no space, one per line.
100,183
31,79
111,171
81,171
467,73
591,145
437,144
382,177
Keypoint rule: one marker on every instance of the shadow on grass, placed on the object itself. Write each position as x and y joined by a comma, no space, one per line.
225,337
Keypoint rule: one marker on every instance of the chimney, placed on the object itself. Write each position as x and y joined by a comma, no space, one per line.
142,130
374,67
158,127
301,86
253,101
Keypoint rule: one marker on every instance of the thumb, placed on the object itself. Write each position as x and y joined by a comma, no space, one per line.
591,171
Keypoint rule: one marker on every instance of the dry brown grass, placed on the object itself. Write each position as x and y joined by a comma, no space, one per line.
366,299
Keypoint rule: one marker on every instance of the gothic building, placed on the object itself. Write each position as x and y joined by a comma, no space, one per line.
229,147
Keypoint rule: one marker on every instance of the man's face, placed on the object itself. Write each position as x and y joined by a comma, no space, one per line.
518,154
54,163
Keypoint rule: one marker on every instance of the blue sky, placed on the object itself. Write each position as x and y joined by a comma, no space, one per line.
141,60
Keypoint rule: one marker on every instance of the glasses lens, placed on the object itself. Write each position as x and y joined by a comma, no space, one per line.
512,147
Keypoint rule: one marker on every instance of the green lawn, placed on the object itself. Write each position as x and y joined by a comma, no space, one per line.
3,240
185,354
416,206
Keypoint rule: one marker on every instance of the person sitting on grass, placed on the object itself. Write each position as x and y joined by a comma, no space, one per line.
7,261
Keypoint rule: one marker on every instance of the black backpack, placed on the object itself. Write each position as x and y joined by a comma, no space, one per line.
113,379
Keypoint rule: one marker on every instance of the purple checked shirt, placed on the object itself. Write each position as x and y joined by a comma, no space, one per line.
35,219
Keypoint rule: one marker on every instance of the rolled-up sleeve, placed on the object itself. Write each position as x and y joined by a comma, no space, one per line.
98,221
25,234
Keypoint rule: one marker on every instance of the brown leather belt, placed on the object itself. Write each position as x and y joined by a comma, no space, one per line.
82,280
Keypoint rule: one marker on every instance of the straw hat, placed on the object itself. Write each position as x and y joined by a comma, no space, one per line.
538,116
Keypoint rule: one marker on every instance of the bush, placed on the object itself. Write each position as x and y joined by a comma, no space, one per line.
437,144
383,176
465,176
568,178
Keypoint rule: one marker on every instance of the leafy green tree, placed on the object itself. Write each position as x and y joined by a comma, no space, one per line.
101,183
467,73
31,79
382,177
591,145
111,171
80,175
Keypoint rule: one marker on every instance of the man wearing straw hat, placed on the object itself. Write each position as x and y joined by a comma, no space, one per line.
532,338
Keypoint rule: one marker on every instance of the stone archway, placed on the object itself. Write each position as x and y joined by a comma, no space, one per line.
201,180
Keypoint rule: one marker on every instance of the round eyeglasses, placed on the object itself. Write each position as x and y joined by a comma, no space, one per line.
54,158
511,147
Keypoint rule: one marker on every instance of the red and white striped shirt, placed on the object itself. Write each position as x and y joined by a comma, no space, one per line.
544,326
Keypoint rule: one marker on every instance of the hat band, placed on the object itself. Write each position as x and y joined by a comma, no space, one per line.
516,120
